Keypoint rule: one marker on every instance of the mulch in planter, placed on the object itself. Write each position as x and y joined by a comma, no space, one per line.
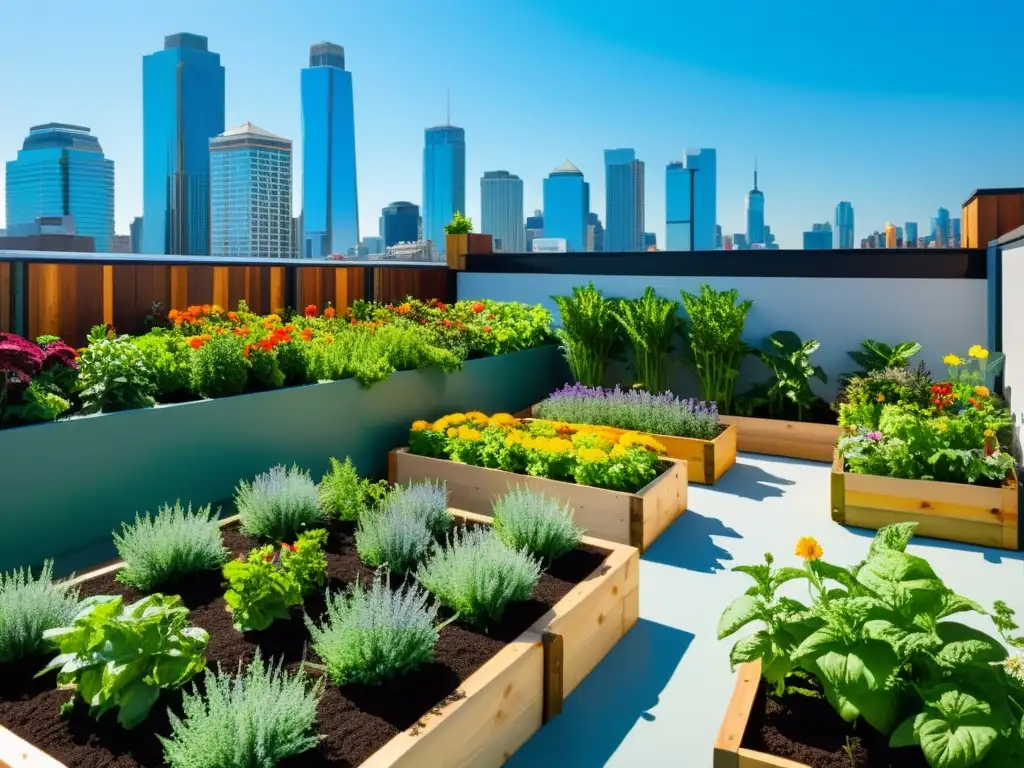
809,731
354,720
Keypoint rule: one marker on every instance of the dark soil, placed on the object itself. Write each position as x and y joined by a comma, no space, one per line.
355,720
820,413
809,731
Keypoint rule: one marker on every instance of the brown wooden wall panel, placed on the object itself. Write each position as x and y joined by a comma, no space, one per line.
43,300
6,324
126,299
987,217
392,286
81,301
200,286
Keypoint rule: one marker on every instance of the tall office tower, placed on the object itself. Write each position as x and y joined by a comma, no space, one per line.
60,171
251,194
135,228
297,236
819,238
330,194
891,236
400,223
121,244
680,186
769,239
567,206
910,238
703,164
940,228
534,228
444,181
501,208
954,232
595,233
624,201
182,109
740,243
842,231
650,241
755,214
718,237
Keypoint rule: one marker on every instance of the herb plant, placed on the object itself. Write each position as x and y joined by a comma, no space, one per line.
218,368
120,657
477,576
427,500
877,637
166,355
256,719
114,374
714,329
371,635
176,542
863,397
459,225
589,333
649,324
28,607
398,538
788,393
344,495
278,504
532,521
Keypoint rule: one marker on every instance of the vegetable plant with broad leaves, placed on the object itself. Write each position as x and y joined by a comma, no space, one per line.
877,356
878,639
788,392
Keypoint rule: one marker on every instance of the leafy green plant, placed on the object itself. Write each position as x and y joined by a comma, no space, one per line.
459,225
877,356
649,323
878,640
120,657
175,542
28,607
255,718
219,368
589,333
398,538
166,355
278,504
477,576
345,495
427,500
371,635
524,519
788,392
861,400
714,329
114,375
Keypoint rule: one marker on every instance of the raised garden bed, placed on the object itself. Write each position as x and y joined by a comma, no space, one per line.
636,519
791,439
480,700
973,514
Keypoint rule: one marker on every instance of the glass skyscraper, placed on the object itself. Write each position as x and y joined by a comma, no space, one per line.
842,229
819,238
60,170
678,227
501,209
755,215
400,223
251,194
136,234
444,180
910,228
940,228
566,207
624,201
330,198
595,233
182,109
704,164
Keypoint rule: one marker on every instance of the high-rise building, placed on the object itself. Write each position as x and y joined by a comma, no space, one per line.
182,109
940,228
373,245
624,201
718,237
400,223
891,236
135,228
650,241
251,194
567,207
444,181
121,244
954,231
595,233
60,171
819,238
910,236
47,233
330,194
501,209
679,186
739,240
769,239
703,164
534,228
755,214
842,231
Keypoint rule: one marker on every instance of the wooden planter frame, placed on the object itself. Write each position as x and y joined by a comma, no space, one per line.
973,514
505,701
791,439
636,519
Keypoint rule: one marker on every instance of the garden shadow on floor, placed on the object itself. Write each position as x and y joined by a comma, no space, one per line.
687,544
990,554
750,481
610,702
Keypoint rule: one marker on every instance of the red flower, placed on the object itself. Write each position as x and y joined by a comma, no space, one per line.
289,547
310,310
486,329
266,345
442,306
446,323
195,342
239,331
269,557
478,307
329,313
307,334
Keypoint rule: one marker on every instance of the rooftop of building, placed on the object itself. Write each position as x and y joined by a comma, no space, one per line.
566,169
187,40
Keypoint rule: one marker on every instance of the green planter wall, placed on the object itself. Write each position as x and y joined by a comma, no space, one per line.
66,486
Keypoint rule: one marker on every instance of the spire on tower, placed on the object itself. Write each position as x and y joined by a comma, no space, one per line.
755,174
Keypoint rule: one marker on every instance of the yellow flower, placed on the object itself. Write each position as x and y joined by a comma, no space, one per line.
809,549
978,352
981,392
952,360
504,420
618,451
642,441
216,309
880,397
441,424
515,437
941,426
468,433
592,455
990,433
419,425
452,432
477,417
456,418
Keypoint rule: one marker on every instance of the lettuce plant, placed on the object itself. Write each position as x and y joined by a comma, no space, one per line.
120,657
878,638
527,520
28,607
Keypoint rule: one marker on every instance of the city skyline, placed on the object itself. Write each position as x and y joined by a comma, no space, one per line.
263,57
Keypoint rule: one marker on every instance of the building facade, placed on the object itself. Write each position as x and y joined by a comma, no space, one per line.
624,201
910,234
135,228
679,189
501,211
703,164
400,223
330,193
182,109
940,228
251,194
819,238
842,230
534,228
755,215
595,233
567,207
121,244
444,181
61,171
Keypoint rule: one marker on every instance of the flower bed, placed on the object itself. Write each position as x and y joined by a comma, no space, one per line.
688,429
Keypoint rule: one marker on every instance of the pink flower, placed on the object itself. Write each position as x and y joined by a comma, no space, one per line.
874,436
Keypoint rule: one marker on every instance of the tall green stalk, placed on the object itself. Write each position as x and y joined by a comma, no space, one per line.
588,333
714,330
649,324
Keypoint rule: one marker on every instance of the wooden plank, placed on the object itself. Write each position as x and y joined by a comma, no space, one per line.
792,439
664,500
737,714
838,489
726,446
44,300
85,308
554,691
932,526
200,285
124,309
221,286
748,758
179,288
108,294
276,298
15,752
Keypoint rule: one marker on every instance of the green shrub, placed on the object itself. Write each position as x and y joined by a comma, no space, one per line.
368,636
398,539
219,369
344,495
114,374
426,500
532,521
278,504
477,576
176,542
28,607
589,333
254,719
649,323
166,354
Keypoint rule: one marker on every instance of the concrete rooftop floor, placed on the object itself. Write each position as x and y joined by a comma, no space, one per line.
658,698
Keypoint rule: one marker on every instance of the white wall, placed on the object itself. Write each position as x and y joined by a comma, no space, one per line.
1013,329
944,315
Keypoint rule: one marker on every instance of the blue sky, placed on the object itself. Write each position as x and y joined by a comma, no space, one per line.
897,107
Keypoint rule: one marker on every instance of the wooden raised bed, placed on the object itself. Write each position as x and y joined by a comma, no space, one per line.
973,514
505,701
636,519
792,439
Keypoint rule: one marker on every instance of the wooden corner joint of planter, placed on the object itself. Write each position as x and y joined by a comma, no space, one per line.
554,658
838,492
710,466
734,723
636,523
15,752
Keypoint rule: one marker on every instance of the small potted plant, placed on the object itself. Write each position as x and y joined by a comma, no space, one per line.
460,240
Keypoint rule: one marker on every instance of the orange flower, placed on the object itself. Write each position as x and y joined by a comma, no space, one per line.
403,309
206,310
441,306
195,342
329,313
478,307
266,345
809,549
289,328
307,334
240,332
880,397
173,314
233,317
195,310
206,337
310,310
486,329
247,350
982,391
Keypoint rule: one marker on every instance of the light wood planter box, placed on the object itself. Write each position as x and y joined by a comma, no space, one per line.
510,697
973,514
636,519
792,439
728,752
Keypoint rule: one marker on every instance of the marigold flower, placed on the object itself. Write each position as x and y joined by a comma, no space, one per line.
239,332
233,317
206,310
173,314
452,432
446,323
477,417
246,351
195,309
266,345
990,433
978,352
307,334
310,310
289,547
195,342
504,419
329,313
273,318
808,548
468,433
591,455
642,441
456,418
420,425
486,329
216,309
880,398
478,307
952,360
982,391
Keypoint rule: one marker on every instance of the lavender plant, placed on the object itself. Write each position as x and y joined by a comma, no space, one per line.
527,520
398,538
426,500
633,409
30,606
278,504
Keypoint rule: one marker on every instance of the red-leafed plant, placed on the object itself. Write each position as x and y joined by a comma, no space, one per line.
36,379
